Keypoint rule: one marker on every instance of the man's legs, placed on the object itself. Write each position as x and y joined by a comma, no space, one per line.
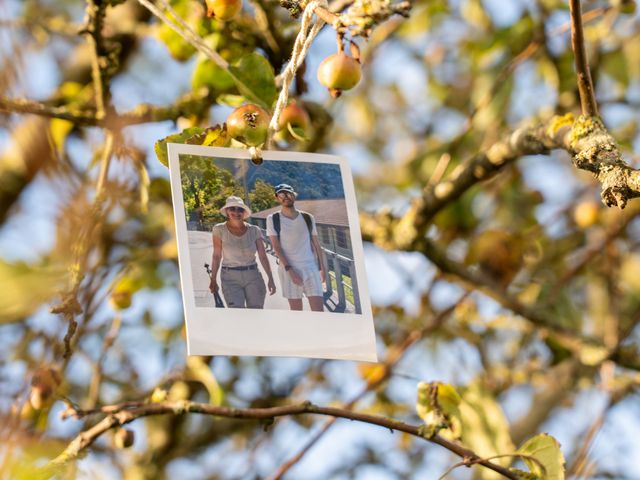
315,303
295,303
290,291
313,288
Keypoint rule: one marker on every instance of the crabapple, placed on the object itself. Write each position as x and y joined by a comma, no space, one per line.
248,124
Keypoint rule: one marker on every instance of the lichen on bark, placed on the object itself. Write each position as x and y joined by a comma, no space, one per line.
596,151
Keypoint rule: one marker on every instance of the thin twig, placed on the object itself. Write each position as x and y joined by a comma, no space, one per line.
580,459
585,85
185,31
99,56
467,462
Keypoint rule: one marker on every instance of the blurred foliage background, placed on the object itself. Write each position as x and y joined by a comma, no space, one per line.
532,314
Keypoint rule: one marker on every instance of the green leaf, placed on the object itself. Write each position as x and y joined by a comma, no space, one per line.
445,398
254,77
437,406
25,287
298,133
212,136
546,450
522,475
230,100
208,74
178,47
614,64
485,429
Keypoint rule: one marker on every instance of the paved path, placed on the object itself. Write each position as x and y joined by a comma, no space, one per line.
200,251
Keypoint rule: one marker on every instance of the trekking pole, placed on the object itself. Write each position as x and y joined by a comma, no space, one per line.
216,296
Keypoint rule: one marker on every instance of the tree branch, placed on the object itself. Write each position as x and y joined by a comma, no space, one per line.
537,315
88,437
585,85
19,105
592,148
100,61
393,357
192,103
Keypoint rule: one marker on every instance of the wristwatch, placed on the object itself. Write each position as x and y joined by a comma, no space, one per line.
287,268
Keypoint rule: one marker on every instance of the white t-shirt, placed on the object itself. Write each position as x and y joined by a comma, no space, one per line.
294,239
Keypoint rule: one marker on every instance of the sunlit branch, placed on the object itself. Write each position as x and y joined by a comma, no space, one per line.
193,103
88,437
592,148
20,105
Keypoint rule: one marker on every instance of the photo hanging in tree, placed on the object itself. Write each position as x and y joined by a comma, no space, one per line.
271,257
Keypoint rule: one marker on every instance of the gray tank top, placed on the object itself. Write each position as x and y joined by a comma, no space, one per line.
237,251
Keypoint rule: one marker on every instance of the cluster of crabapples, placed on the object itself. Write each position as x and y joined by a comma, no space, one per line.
249,123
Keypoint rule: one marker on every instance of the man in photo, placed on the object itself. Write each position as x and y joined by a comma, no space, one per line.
294,238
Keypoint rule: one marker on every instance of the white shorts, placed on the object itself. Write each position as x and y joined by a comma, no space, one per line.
311,282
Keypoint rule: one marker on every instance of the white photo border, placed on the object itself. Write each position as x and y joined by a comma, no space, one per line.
270,332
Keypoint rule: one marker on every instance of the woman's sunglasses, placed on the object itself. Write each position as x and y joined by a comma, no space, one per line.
235,209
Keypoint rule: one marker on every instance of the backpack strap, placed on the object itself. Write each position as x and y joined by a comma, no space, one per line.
309,222
307,219
305,215
276,223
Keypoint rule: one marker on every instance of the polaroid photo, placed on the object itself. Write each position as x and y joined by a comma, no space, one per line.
271,258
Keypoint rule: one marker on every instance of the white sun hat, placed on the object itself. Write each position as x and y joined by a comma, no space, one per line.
233,201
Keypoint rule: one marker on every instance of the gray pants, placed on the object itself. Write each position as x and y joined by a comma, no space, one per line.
243,288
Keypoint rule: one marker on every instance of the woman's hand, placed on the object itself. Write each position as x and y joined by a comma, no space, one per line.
295,277
213,286
271,286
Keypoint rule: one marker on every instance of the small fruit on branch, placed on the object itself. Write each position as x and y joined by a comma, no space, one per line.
294,123
121,300
223,9
44,383
123,438
498,253
586,214
249,125
339,72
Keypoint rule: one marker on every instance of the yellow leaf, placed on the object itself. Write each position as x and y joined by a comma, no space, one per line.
60,129
198,370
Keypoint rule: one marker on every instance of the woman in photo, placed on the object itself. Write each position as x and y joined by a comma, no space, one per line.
235,244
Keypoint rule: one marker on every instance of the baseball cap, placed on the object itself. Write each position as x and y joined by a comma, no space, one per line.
283,187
